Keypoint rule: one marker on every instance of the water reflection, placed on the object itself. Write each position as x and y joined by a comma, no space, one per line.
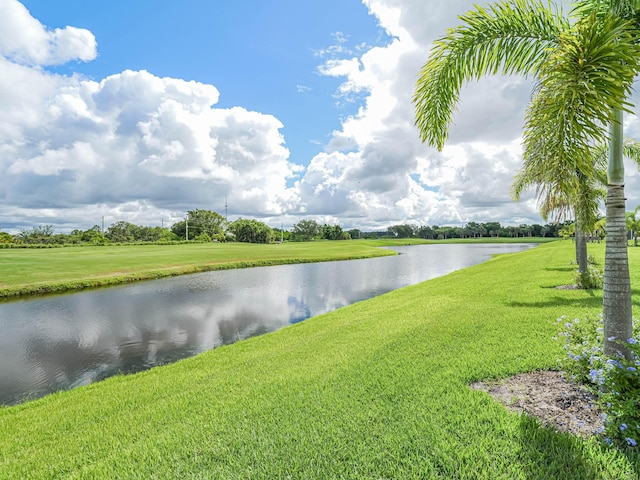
65,341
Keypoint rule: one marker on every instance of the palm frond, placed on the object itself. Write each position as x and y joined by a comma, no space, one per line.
557,208
589,196
626,9
600,153
507,37
631,150
581,84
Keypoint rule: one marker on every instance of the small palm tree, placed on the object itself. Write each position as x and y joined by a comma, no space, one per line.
633,224
582,203
567,231
584,67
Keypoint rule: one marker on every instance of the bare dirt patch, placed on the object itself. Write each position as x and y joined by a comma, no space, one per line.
548,396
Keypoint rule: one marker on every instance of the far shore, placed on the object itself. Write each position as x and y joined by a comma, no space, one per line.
28,272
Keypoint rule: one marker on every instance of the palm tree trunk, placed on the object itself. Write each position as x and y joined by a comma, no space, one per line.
618,321
581,250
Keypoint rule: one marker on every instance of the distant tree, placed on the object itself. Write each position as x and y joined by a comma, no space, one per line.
553,228
281,234
121,232
179,229
333,232
355,234
505,232
39,234
75,236
492,228
251,231
526,230
92,235
201,221
167,235
543,231
425,232
152,234
305,230
401,231
443,233
475,230
456,232
6,237
536,230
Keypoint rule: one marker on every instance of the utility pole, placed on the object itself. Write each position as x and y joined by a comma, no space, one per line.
282,232
186,223
226,208
103,225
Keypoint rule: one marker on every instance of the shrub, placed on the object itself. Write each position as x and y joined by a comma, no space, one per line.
593,278
616,381
204,237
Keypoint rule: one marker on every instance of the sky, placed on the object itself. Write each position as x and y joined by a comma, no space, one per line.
280,111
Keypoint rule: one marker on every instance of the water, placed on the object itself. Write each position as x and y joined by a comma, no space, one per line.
61,342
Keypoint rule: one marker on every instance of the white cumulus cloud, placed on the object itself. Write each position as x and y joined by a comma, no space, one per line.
25,40
129,144
135,146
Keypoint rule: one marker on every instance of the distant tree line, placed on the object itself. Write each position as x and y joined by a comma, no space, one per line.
475,230
198,226
119,232
307,230
207,226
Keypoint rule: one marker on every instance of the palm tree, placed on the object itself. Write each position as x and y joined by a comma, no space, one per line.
582,204
633,224
584,67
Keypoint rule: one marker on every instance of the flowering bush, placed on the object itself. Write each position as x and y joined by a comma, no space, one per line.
592,279
616,381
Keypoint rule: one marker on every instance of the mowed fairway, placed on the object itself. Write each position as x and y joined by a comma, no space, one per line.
26,271
378,389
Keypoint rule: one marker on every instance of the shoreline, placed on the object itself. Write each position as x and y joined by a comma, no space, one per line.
108,262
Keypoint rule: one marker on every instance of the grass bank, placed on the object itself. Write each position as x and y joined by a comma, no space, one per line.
378,389
37,271
53,270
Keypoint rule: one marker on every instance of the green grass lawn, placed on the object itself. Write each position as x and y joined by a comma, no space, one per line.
378,389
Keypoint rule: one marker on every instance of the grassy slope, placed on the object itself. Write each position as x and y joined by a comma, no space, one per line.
24,271
378,389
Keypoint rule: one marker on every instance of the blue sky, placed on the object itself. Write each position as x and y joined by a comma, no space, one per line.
260,55
286,110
